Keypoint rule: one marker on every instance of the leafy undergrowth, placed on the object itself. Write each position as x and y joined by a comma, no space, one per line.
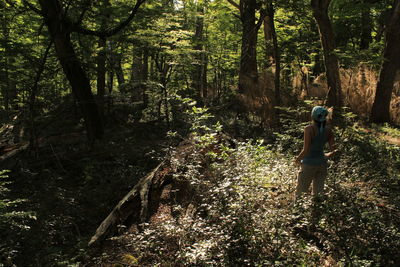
69,188
241,211
245,214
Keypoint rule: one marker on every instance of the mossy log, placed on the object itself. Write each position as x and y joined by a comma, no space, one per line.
134,207
152,198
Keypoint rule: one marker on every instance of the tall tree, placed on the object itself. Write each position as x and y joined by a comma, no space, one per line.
137,73
273,54
102,56
139,76
8,81
366,25
320,12
60,32
248,75
115,61
60,29
4,71
101,69
390,65
200,69
269,49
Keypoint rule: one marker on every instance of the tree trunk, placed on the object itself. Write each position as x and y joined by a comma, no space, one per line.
4,77
60,33
110,82
366,26
9,87
320,12
391,63
119,72
164,74
318,67
276,53
248,74
102,55
137,73
134,207
145,72
269,46
12,93
138,79
204,60
101,70
199,72
32,99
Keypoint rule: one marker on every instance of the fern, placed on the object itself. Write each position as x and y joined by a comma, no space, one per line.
11,220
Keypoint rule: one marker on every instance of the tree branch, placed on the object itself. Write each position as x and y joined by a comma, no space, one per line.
263,13
109,32
85,9
233,3
32,7
39,72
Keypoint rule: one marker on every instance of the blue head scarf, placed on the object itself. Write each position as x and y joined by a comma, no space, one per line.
319,114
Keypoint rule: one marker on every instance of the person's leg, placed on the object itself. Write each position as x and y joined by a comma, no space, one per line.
304,179
319,180
318,189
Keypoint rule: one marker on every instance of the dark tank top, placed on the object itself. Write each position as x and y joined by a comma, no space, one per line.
316,154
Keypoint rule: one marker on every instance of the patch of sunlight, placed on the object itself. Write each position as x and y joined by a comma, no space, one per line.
389,130
129,259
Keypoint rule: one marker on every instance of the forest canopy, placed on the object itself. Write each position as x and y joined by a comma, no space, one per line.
153,51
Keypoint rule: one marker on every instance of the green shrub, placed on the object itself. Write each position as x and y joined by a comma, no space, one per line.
244,213
12,221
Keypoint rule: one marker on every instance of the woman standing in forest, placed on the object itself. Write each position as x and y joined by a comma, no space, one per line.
312,159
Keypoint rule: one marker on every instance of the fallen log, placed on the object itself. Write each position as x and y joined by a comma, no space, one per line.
9,153
134,207
6,158
152,197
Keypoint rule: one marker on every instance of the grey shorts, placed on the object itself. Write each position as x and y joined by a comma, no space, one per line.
315,174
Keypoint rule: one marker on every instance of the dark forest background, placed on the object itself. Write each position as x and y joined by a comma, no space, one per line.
196,108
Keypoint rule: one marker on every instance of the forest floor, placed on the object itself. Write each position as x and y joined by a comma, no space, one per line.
70,188
241,211
385,133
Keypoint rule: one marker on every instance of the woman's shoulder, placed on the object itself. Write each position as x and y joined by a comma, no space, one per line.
308,127
309,130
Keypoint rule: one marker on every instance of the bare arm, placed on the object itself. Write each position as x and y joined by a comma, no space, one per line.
332,146
306,145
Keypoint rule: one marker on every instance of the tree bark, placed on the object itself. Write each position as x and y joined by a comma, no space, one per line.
133,207
391,64
102,55
140,74
60,32
101,70
4,77
320,12
199,72
137,73
269,48
318,67
110,81
119,72
276,53
9,87
366,26
248,74
32,98
145,72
